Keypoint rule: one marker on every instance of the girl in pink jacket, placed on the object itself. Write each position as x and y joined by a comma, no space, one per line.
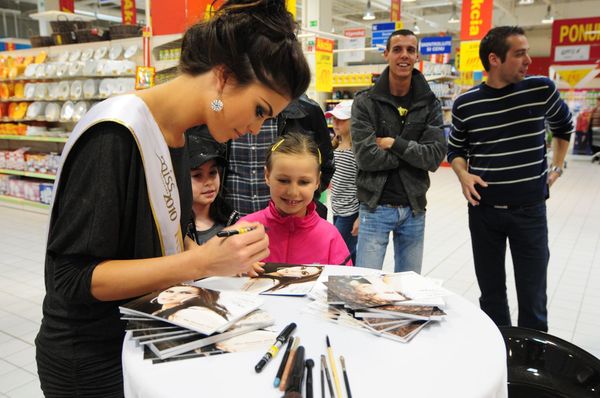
297,235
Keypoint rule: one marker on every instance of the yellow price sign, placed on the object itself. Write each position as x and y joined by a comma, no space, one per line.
469,56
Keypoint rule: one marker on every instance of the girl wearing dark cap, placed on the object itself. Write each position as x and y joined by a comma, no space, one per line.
123,194
211,213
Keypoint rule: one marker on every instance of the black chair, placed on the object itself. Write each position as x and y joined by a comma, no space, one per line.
544,366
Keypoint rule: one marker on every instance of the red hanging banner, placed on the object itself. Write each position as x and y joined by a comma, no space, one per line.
67,5
395,10
128,12
476,19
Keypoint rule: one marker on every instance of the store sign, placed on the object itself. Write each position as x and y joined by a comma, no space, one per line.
576,40
395,10
436,45
356,39
381,32
476,19
469,56
66,5
573,76
128,12
324,64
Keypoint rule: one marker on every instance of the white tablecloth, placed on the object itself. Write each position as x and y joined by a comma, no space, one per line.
462,356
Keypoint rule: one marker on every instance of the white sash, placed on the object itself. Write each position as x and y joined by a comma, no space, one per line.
131,112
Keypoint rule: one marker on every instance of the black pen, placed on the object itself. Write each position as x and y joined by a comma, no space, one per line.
281,339
231,232
309,363
284,360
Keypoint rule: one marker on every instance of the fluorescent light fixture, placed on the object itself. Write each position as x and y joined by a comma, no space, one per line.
369,16
454,16
103,17
525,2
548,18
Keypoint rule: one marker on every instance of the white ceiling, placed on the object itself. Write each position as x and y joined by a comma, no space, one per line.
431,15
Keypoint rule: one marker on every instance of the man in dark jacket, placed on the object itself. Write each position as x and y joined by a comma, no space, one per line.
245,186
397,138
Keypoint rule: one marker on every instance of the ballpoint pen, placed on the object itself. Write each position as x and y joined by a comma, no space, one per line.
281,339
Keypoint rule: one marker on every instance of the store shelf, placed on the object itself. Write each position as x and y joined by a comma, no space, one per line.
28,174
443,78
60,78
352,85
166,64
33,138
24,204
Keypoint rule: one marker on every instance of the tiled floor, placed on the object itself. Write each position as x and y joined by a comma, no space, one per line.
573,278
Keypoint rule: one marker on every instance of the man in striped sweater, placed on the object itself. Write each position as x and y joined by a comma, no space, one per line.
497,149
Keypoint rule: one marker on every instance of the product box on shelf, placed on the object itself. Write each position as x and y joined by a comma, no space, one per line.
15,160
46,192
4,181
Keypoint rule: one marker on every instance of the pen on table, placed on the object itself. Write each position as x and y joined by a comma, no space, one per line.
284,360
289,364
324,365
231,232
309,380
322,378
336,379
346,381
279,341
294,386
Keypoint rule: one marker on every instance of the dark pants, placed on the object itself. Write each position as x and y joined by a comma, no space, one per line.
344,225
527,231
100,376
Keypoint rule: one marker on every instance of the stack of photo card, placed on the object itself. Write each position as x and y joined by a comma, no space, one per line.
278,279
162,340
380,304
182,318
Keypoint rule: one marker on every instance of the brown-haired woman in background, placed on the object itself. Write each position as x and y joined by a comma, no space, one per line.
123,190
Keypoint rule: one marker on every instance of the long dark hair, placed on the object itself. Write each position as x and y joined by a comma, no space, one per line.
255,41
207,299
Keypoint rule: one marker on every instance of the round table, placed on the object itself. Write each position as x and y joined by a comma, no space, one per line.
461,356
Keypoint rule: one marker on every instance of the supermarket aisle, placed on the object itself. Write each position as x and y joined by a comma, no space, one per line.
574,271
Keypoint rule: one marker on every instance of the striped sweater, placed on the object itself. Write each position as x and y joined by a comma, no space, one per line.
343,184
502,134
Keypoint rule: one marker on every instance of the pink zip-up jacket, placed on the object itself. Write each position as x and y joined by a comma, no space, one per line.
301,240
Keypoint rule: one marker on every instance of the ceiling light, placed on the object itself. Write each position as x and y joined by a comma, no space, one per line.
369,16
548,18
416,29
525,2
454,16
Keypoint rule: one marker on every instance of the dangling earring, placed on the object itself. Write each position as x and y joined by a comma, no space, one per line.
216,105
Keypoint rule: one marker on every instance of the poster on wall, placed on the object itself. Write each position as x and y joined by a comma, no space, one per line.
324,64
128,12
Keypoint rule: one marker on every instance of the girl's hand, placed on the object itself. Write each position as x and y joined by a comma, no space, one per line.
234,254
257,269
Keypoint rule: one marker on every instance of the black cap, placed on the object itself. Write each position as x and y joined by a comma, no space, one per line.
202,147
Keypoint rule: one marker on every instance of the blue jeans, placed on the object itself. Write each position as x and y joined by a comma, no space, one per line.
526,229
374,234
344,225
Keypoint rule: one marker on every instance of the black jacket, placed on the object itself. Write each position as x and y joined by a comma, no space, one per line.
419,147
305,116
